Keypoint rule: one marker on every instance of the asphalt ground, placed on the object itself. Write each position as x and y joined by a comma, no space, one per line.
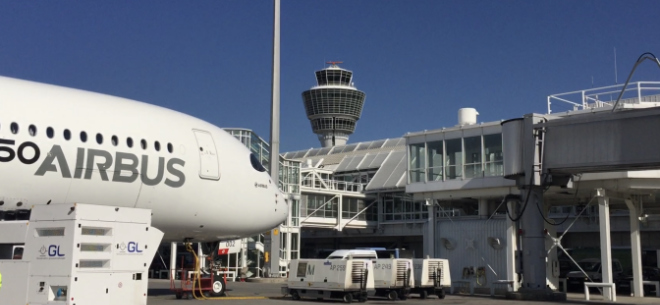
270,294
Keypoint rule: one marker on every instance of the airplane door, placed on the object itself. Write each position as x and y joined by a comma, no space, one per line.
208,157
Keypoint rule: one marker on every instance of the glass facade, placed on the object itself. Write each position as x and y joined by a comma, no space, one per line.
454,159
350,207
316,205
494,164
435,168
401,207
461,158
416,165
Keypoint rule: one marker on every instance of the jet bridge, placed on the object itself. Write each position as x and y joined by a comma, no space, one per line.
545,150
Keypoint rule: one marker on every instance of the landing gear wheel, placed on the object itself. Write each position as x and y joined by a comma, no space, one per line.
218,288
295,296
179,295
441,294
423,294
348,298
392,295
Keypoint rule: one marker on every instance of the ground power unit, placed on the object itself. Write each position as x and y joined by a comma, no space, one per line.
78,254
431,277
393,278
344,279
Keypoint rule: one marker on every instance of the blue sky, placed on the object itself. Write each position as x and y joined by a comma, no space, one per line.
418,61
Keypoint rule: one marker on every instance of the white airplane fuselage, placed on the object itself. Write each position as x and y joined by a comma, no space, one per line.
64,145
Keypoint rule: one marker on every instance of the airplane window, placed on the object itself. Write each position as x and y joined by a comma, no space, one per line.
83,136
99,138
129,142
67,134
157,145
114,140
256,164
170,148
14,128
50,132
32,130
143,143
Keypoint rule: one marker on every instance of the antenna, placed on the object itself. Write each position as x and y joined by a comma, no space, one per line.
616,81
334,63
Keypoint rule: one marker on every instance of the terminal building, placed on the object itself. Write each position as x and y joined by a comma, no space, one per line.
440,192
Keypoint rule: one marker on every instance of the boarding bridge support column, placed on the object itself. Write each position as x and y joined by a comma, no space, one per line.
483,208
605,242
635,245
511,247
173,261
429,235
533,240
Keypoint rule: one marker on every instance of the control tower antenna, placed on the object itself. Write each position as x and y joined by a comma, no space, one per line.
334,63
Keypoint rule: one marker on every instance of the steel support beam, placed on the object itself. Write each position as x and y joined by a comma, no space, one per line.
511,247
605,241
636,246
533,241
173,260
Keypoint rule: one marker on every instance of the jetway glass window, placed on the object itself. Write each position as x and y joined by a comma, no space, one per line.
295,212
435,153
295,245
472,157
494,164
401,207
352,206
417,163
454,159
317,203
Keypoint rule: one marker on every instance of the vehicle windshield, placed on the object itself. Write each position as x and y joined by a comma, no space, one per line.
589,266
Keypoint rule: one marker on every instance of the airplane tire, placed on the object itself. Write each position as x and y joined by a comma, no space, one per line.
218,288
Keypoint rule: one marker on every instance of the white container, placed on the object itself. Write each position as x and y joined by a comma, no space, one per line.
345,279
431,276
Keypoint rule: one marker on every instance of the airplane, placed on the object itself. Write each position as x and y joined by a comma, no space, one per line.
64,145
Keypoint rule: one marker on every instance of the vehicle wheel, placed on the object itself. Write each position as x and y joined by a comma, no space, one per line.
363,297
423,294
403,296
179,295
218,288
441,294
187,296
392,295
348,298
295,296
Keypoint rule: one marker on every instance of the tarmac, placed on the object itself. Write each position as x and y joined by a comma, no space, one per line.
264,293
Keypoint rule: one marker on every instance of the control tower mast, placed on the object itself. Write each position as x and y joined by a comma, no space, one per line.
334,105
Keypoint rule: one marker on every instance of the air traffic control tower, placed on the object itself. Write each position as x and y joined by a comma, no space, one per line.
334,105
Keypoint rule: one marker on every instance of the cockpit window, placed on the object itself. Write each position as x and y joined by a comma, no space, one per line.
256,164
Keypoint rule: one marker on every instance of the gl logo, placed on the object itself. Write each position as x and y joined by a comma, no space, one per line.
134,247
54,251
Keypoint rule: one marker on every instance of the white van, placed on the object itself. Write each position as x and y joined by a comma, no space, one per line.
354,253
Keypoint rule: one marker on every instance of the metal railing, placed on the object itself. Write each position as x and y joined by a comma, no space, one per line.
329,184
635,93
